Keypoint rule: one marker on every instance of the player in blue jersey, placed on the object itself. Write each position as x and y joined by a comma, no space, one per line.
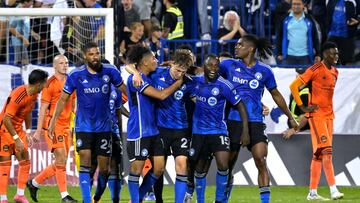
142,128
172,119
250,77
210,135
92,83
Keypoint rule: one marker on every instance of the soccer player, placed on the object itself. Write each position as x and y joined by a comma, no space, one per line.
171,118
322,77
250,77
16,110
92,83
60,144
142,128
210,135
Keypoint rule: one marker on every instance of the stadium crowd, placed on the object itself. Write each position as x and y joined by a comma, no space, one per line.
298,28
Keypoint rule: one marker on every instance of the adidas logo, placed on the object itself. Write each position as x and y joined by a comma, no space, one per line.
162,79
84,81
238,70
84,182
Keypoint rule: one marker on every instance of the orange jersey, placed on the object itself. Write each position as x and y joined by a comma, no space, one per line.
51,94
322,81
18,105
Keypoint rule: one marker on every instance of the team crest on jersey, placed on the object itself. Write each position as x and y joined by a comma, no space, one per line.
106,78
323,138
183,87
178,95
6,148
254,84
61,138
105,88
191,152
258,76
212,101
79,143
215,91
144,152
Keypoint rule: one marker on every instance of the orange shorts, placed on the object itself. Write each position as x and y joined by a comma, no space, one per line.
321,130
60,140
7,143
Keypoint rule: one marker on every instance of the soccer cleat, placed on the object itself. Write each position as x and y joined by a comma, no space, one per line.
150,197
68,198
337,195
316,197
20,199
4,201
33,190
188,198
94,201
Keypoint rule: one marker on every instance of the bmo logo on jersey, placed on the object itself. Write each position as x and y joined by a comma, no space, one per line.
178,95
254,84
212,101
239,80
91,90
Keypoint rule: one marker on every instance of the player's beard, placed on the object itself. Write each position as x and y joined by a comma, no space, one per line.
95,66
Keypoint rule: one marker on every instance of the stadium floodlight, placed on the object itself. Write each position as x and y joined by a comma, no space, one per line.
81,26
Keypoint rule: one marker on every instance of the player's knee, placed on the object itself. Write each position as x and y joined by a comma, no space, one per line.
260,163
223,166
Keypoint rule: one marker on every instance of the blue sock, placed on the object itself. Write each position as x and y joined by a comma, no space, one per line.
84,180
101,186
229,188
180,188
265,194
200,185
133,184
114,184
149,180
221,182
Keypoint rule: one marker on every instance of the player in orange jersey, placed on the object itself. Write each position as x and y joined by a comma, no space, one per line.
60,143
13,139
322,77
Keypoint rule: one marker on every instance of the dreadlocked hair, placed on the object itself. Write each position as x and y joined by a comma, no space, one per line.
262,45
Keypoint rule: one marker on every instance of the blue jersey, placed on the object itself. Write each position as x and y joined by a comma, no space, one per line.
170,113
250,84
209,114
142,121
115,104
93,95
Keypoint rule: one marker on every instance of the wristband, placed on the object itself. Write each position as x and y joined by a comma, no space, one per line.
28,131
15,137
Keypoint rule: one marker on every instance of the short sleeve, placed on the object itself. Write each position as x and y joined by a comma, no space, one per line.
225,68
307,75
140,89
116,78
69,86
230,93
46,94
270,82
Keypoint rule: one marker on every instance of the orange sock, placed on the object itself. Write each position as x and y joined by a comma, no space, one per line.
61,177
315,173
4,176
329,169
48,172
23,174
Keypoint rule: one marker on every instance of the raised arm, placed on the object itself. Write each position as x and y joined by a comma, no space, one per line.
60,105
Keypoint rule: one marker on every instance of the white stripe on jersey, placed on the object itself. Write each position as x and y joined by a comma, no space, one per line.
226,82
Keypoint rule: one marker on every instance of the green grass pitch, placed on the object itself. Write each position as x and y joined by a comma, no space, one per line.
248,194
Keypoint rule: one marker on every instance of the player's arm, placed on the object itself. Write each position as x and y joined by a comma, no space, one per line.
265,109
41,118
162,94
137,79
60,105
280,101
124,112
122,88
294,88
287,134
19,145
245,138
